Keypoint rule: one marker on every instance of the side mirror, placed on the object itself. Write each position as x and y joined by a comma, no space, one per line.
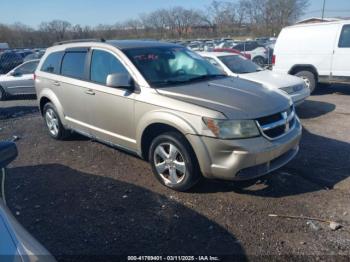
15,73
120,80
8,153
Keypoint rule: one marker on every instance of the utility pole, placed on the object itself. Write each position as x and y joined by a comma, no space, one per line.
324,4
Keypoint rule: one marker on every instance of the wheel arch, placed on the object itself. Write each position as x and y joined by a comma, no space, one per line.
304,67
48,96
157,123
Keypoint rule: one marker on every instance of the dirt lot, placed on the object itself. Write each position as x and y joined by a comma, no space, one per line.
80,197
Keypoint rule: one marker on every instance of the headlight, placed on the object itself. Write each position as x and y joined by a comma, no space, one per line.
293,89
230,129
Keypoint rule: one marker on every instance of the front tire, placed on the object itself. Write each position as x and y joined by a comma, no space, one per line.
173,161
53,122
3,94
309,79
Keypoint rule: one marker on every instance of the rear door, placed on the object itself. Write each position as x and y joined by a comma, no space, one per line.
73,89
341,56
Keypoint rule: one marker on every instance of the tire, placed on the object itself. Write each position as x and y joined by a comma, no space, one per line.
53,122
3,94
179,172
259,60
309,79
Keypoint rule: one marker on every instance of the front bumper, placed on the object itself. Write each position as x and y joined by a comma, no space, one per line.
244,158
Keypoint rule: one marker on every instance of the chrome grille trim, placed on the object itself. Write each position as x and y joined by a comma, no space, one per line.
287,117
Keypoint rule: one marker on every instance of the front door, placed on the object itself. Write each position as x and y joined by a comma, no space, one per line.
341,57
111,110
21,79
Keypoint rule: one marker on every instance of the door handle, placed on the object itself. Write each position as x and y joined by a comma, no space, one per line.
56,83
90,92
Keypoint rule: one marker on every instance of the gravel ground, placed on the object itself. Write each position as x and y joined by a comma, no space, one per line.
79,197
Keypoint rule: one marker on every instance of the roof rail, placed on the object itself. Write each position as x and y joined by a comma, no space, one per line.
80,41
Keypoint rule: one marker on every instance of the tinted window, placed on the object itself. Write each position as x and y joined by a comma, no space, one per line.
103,64
10,57
73,64
213,62
27,68
239,65
52,63
344,40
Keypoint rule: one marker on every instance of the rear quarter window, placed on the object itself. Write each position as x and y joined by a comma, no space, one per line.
344,40
52,63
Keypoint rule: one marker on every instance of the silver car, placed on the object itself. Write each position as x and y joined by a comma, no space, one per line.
169,106
16,244
19,81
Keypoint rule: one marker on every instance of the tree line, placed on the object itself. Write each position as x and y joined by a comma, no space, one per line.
219,19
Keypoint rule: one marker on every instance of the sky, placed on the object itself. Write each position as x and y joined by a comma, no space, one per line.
94,12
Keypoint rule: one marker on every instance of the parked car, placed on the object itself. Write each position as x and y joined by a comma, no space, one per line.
16,244
4,46
236,65
34,56
232,50
24,53
19,81
318,53
169,106
258,53
8,61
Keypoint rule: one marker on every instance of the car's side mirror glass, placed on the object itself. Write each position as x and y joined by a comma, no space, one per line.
8,153
16,73
120,80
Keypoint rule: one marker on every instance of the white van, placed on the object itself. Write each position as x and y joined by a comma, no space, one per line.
318,53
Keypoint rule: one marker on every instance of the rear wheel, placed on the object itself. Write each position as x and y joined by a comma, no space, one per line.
53,122
259,60
309,79
3,94
173,161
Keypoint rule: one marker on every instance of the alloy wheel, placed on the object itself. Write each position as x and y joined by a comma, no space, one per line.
169,163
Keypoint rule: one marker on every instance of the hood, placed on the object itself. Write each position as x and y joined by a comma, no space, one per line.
272,79
234,97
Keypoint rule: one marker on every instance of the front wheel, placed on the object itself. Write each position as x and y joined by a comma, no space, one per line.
173,161
3,94
309,79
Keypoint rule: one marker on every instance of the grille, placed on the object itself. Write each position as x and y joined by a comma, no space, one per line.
277,125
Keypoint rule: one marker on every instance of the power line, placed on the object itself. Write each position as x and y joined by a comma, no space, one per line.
329,11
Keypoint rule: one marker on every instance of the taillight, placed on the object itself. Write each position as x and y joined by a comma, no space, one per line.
273,60
34,77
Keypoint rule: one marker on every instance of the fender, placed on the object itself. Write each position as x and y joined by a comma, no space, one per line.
314,69
166,117
49,94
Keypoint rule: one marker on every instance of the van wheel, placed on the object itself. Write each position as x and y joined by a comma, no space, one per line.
309,79
3,94
173,161
53,122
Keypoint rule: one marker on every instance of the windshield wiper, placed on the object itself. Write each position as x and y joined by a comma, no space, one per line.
204,77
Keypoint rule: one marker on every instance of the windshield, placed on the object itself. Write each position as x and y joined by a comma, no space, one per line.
164,66
239,64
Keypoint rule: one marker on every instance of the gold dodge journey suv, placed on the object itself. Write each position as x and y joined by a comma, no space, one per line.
169,106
